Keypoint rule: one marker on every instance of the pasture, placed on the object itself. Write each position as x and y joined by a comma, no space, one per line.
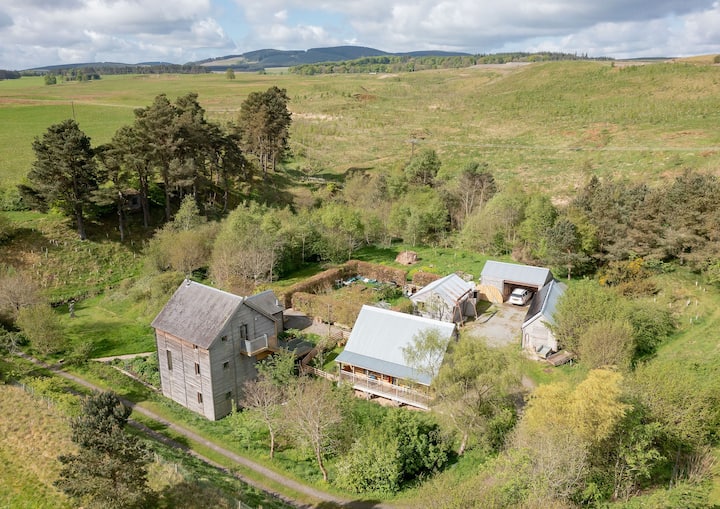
545,125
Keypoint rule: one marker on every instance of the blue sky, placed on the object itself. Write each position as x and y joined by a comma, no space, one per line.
45,32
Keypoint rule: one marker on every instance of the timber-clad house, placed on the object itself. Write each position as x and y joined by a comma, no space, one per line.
208,342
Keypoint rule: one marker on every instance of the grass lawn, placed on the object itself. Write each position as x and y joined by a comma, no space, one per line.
114,327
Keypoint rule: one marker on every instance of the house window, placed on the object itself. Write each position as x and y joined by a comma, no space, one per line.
197,368
226,365
243,331
224,338
199,397
228,395
169,359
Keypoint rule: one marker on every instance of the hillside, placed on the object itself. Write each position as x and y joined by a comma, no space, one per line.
547,125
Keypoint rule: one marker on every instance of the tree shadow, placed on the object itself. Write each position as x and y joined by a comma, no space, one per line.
354,504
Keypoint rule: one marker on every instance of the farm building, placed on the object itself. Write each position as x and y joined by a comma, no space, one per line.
499,279
449,299
208,342
536,333
373,360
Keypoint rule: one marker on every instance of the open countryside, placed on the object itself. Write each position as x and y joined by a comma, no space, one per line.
602,174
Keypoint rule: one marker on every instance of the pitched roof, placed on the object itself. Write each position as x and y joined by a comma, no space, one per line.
450,288
544,303
523,274
197,313
265,303
379,336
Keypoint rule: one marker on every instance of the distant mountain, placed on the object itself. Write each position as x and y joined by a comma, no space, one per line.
258,59
265,58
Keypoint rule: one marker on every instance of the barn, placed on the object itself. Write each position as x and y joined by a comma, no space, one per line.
499,279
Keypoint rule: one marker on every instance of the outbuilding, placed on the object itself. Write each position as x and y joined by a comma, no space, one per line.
499,279
449,299
537,334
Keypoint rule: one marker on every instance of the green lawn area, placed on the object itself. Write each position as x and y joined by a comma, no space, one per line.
114,327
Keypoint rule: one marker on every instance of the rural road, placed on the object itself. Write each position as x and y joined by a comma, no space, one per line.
325,500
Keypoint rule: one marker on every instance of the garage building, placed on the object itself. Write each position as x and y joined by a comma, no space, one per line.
499,279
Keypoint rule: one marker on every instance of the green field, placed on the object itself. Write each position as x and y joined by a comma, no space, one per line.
640,121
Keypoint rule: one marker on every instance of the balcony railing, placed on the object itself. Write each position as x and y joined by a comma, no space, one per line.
386,390
257,345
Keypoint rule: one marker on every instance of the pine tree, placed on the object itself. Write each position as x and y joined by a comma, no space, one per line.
64,170
110,468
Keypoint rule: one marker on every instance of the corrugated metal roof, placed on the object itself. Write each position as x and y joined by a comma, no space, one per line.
523,274
197,313
379,336
450,288
544,303
265,303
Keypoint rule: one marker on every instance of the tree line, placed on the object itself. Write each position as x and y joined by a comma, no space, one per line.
409,63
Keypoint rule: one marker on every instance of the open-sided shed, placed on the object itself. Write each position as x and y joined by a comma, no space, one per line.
499,279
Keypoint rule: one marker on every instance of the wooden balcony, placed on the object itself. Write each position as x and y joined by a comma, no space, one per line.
382,389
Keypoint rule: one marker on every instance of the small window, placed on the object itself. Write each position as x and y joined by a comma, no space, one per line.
197,368
169,359
228,395
224,338
243,331
199,397
226,365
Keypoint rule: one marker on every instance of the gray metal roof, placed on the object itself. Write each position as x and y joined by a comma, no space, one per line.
522,274
265,303
449,288
379,336
197,313
544,303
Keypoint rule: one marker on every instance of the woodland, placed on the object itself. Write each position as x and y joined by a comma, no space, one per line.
275,191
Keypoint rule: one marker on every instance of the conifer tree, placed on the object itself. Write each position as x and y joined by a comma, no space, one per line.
109,470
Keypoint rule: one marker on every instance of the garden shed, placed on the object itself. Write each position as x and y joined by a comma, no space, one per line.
537,335
499,279
373,360
449,299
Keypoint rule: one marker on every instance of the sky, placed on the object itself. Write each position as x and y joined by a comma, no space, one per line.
34,33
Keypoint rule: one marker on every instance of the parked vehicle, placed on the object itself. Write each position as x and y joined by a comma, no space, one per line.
520,296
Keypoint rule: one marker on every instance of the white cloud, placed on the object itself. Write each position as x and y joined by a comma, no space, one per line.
35,32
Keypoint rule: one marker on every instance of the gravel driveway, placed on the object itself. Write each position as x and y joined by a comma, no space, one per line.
499,324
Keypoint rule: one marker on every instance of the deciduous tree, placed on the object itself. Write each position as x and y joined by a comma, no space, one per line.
312,415
473,391
42,327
